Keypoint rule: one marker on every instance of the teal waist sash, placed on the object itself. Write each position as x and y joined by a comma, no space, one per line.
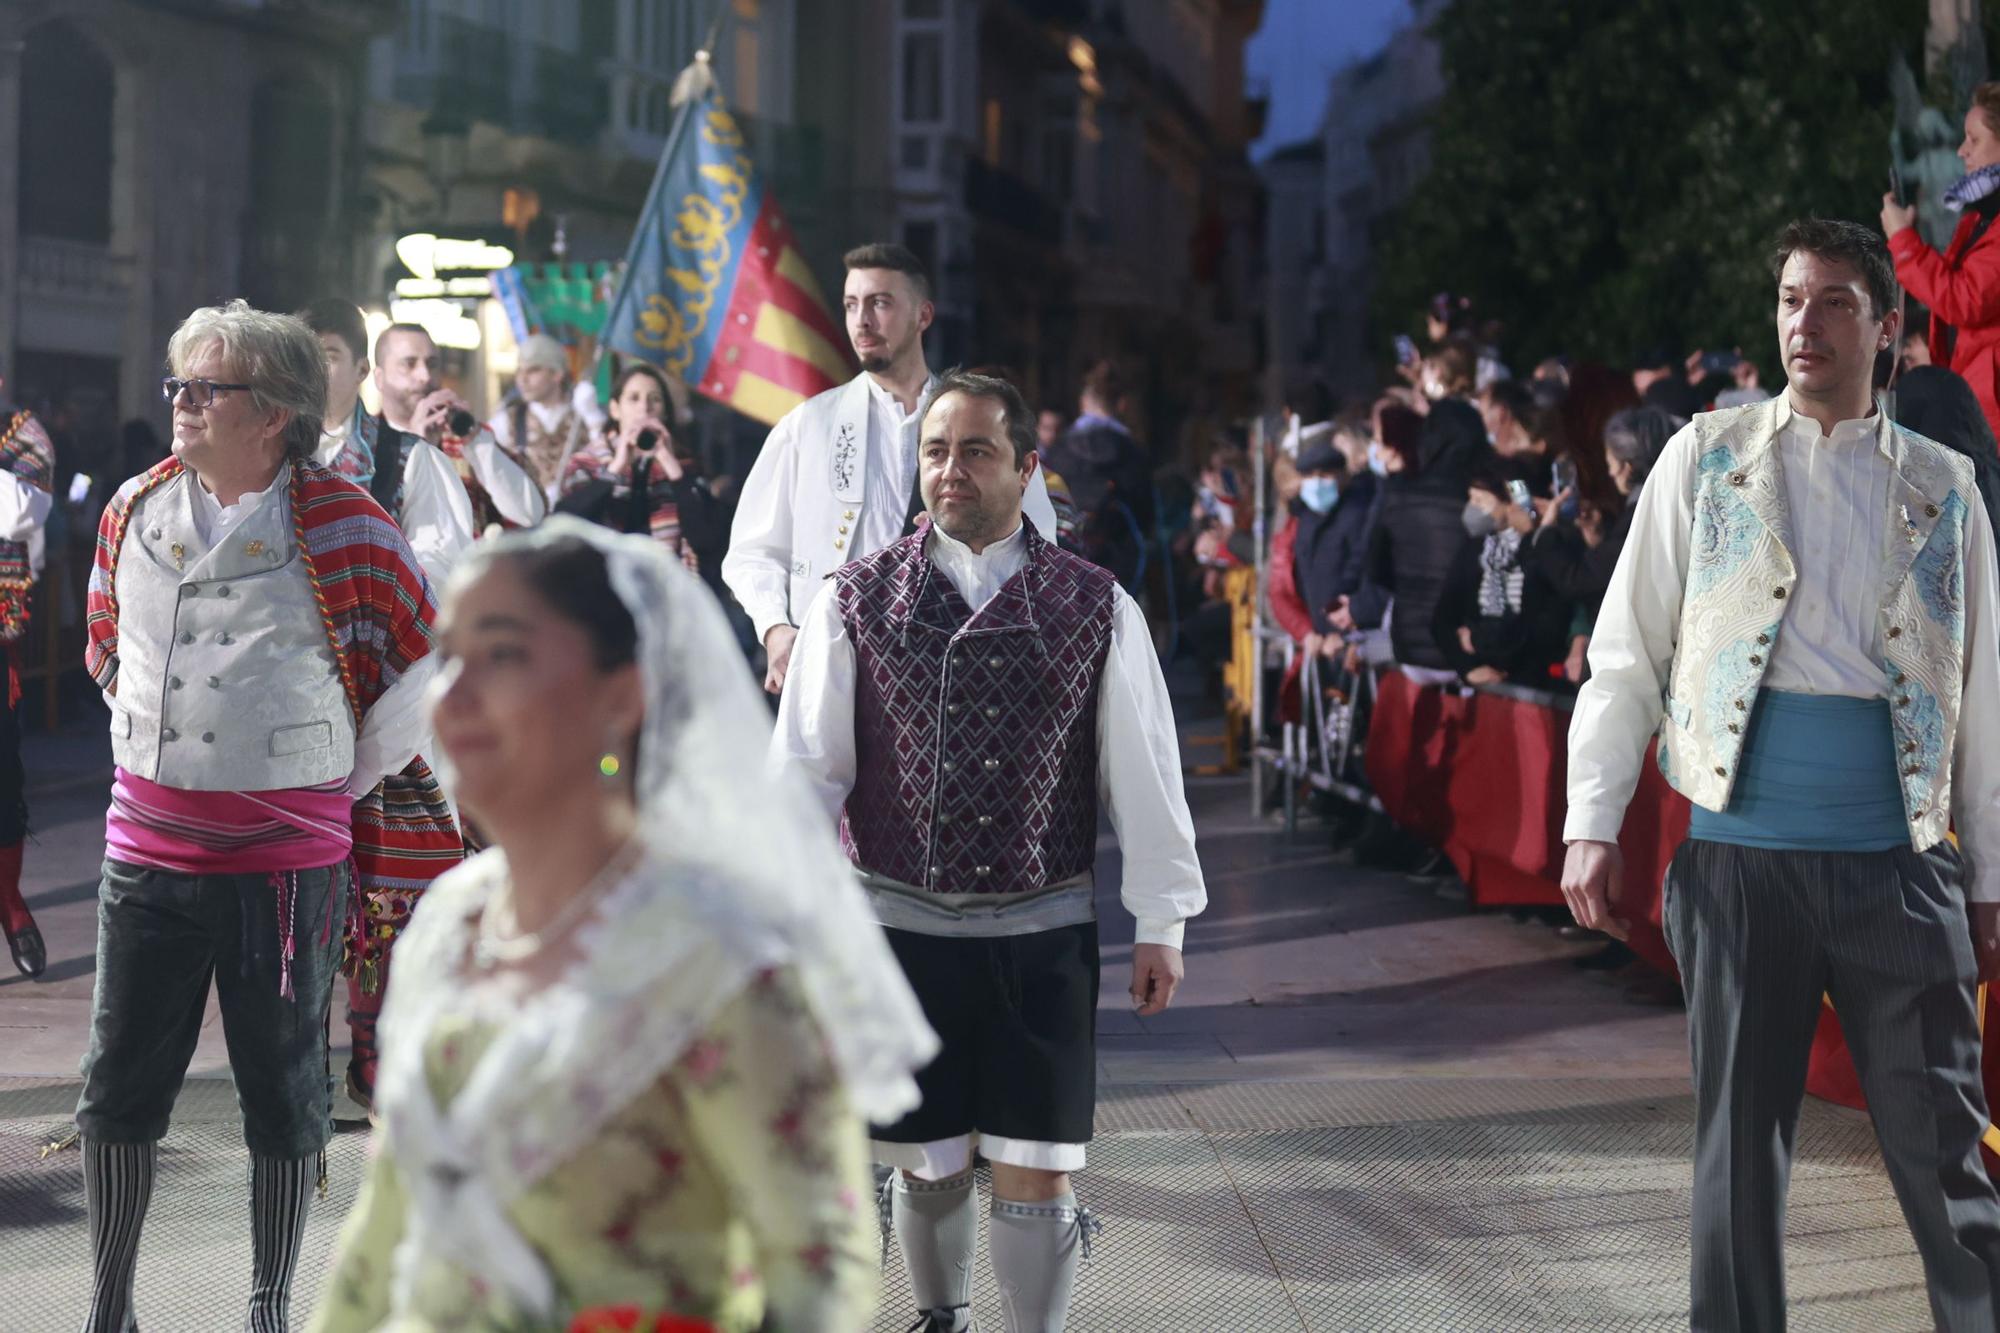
1818,773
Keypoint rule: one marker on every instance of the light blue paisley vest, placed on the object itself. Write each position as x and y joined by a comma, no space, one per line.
1740,573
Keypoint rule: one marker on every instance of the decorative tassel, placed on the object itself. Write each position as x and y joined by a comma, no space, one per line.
62,1143
288,944
694,81
322,1175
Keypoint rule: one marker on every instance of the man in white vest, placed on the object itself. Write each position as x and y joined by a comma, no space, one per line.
837,476
1804,613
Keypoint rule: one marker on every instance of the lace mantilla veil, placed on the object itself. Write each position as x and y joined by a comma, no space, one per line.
741,873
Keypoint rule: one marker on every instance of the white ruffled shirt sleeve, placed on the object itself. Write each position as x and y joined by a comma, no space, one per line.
437,513
395,731
511,487
758,568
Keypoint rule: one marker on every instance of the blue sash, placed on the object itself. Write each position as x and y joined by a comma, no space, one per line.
1818,773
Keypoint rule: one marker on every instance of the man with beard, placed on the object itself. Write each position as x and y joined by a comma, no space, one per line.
962,700
416,402
837,476
408,476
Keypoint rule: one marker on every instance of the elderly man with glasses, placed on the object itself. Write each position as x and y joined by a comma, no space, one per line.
261,630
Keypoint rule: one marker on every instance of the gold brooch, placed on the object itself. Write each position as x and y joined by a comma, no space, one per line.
178,551
253,548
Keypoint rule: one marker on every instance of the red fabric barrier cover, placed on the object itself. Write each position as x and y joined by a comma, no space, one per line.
1483,777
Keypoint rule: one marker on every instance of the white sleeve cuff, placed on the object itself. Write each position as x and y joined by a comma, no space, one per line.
1165,930
1593,823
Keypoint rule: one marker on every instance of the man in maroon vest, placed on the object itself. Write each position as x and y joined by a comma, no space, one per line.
963,700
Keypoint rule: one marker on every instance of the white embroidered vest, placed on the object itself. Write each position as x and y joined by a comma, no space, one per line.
226,681
1741,572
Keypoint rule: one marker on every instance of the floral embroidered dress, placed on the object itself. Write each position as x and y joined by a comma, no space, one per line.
736,1185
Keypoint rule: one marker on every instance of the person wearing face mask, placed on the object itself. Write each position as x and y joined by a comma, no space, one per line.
1319,554
1496,618
1961,286
631,479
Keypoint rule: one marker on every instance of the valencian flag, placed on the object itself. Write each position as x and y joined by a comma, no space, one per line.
715,290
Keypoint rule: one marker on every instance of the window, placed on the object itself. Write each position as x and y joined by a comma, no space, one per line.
66,94
923,78
921,238
915,154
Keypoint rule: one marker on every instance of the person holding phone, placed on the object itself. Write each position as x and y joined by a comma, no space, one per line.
1962,285
1497,619
631,478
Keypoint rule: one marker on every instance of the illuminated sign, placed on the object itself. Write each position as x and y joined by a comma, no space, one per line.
446,321
423,288
427,255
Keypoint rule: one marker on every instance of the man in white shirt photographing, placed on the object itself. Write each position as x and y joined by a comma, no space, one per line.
836,478
1805,613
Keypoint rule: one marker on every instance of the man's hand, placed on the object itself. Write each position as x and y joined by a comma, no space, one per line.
1156,975
1465,639
1312,646
434,412
1593,883
778,642
1986,938
1485,675
1896,216
1578,660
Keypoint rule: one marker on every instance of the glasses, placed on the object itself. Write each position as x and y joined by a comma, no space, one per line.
200,393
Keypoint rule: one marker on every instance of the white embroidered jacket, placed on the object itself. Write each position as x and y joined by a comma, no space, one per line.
1696,606
800,514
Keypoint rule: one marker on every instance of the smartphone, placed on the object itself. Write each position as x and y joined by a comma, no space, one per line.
1896,186
1406,350
79,489
1517,491
1562,475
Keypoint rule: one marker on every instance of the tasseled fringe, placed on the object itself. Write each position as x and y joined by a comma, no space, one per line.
885,1213
287,886
322,1175
62,1143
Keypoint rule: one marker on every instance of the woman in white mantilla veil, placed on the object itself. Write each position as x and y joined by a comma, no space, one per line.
631,1050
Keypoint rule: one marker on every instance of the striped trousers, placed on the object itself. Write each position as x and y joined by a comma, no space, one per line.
1762,938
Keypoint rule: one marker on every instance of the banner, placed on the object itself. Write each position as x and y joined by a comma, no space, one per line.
714,290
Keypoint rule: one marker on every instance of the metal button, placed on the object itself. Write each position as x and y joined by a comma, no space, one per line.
1903,701
951,766
951,708
215,682
1778,593
222,590
1756,660
982,870
1900,678
208,738
849,515
174,681
993,662
992,713
153,535
1895,631
1763,638
169,734
1911,771
838,543
984,820
187,637
1735,730
1740,705
224,638
944,817
843,529
1737,478
187,591
1721,772
1930,511
992,764
1909,747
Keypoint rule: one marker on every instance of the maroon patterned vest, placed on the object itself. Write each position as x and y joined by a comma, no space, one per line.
975,735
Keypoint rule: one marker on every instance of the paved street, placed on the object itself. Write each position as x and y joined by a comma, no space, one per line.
1370,1110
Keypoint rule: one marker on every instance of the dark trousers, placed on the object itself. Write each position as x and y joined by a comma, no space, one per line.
13,777
160,938
1761,936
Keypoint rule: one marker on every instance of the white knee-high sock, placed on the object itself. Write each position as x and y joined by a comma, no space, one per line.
280,1194
117,1188
937,1226
1035,1249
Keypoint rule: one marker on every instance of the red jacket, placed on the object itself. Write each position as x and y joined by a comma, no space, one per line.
1962,289
1288,608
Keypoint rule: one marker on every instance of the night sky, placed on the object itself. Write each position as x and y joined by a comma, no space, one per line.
1299,47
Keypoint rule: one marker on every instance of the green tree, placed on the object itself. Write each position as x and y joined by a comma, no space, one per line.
1608,174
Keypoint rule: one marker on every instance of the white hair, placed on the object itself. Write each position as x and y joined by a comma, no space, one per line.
276,355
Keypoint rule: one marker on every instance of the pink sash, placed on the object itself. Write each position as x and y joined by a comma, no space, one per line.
227,832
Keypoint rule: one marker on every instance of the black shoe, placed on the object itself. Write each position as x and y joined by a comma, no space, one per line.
30,954
950,1319
1572,931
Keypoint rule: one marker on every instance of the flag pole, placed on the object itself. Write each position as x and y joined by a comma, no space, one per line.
693,81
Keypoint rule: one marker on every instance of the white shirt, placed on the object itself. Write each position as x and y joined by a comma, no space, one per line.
892,466
398,728
23,511
437,513
574,434
1138,750
1836,491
